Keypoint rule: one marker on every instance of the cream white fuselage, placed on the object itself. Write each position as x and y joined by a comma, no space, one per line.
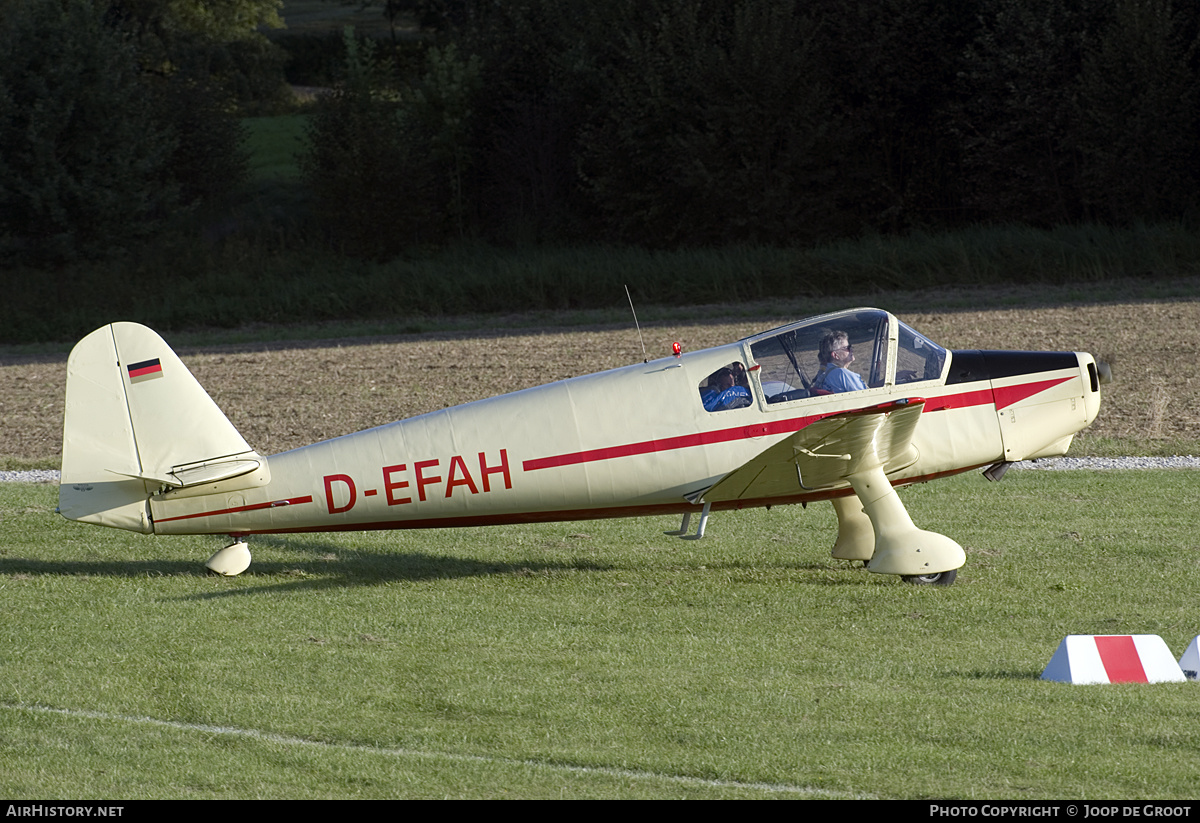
631,441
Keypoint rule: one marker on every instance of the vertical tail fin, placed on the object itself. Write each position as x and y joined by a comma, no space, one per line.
136,420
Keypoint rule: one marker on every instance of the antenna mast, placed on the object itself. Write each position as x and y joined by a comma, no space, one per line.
645,357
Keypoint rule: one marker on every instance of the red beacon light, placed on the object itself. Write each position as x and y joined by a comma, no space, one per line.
676,348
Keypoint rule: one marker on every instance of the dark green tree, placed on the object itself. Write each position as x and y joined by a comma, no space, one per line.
443,104
1081,109
716,126
892,67
218,41
210,158
1138,110
84,152
368,163
545,65
1016,124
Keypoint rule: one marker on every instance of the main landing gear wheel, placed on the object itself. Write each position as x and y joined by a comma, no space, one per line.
938,579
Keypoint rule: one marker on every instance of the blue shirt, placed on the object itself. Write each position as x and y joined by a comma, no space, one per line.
728,399
835,379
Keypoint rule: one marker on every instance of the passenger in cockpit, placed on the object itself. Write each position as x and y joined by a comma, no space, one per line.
721,391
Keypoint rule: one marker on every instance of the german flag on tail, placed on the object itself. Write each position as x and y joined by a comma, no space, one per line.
145,370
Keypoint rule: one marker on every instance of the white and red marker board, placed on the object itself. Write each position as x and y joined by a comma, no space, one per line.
1113,658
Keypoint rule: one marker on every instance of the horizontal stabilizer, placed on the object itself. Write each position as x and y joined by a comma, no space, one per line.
182,476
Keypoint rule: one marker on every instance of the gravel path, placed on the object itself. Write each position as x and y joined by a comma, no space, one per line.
35,476
1096,463
1046,464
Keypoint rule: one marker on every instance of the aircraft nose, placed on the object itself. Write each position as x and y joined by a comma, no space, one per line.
1098,373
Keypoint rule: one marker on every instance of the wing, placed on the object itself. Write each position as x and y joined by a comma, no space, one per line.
824,454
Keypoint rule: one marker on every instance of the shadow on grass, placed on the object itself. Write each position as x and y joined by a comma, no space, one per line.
372,570
322,566
996,674
332,567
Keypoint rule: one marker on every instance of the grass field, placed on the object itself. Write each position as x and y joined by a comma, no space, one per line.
604,659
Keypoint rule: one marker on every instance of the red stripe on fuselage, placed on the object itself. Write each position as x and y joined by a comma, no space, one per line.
1002,398
962,400
684,441
1008,395
562,515
238,509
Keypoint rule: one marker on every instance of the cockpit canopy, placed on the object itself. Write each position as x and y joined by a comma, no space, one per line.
872,349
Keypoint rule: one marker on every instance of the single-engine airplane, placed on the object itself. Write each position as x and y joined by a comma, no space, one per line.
779,417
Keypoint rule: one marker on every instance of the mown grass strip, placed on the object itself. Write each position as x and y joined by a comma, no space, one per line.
283,740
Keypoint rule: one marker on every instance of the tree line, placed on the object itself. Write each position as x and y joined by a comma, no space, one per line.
662,123
118,116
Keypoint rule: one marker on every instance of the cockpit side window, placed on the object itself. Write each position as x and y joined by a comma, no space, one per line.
918,358
726,388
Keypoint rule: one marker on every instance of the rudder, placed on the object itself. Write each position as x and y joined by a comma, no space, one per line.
136,421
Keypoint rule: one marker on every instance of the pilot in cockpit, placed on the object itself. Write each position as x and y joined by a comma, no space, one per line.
835,355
